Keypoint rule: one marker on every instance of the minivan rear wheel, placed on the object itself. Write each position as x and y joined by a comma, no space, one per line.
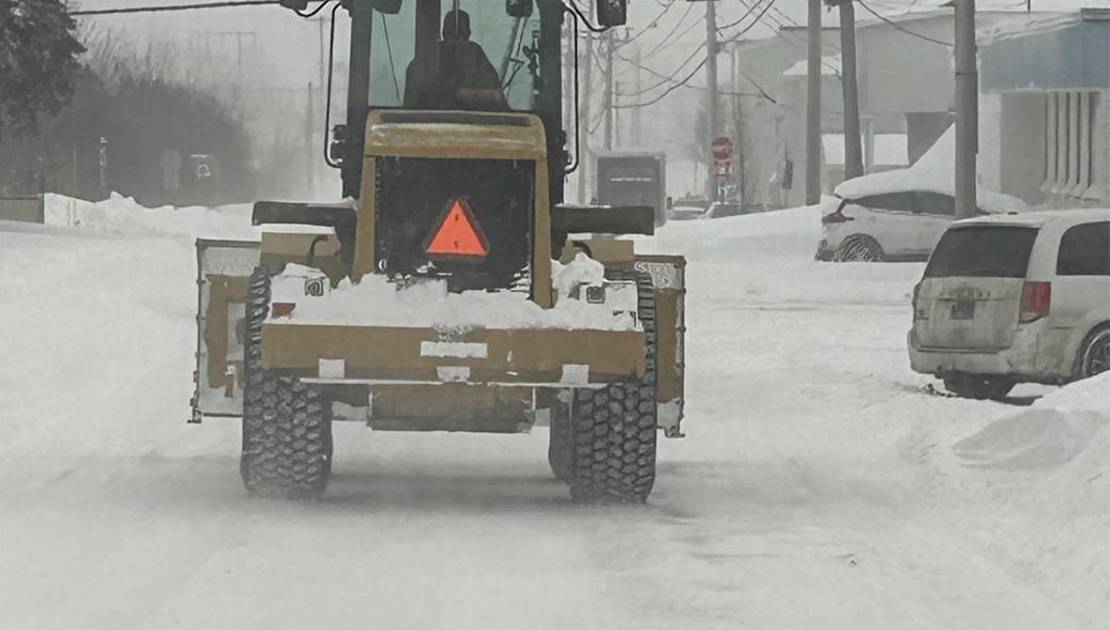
978,386
1094,354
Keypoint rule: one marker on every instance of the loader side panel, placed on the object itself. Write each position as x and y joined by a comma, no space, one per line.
223,273
668,275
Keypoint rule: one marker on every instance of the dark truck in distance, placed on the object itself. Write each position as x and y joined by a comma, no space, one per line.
633,178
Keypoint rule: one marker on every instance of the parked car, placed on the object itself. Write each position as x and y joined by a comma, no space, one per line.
722,209
686,208
1015,298
900,214
893,222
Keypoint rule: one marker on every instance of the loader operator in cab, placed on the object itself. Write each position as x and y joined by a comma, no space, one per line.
465,79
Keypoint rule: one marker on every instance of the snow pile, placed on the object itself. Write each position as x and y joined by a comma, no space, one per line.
123,215
375,301
933,172
582,270
1046,473
1052,432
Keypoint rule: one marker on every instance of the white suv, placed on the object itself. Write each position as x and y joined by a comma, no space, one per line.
1017,298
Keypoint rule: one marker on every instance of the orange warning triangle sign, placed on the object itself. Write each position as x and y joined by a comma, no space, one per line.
458,233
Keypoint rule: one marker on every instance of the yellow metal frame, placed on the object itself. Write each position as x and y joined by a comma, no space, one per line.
449,140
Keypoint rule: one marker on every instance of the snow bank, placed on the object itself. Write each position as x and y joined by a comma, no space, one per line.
123,215
375,301
1052,432
1044,475
932,172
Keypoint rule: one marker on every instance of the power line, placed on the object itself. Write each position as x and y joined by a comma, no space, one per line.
751,9
650,25
223,4
788,37
667,38
902,28
662,95
671,79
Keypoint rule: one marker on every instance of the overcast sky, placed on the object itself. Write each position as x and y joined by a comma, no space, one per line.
284,48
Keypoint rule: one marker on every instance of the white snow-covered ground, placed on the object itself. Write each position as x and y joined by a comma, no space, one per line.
821,485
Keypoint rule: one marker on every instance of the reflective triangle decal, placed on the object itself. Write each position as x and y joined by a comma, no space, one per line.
458,234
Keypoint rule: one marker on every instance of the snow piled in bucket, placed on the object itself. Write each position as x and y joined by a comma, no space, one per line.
375,301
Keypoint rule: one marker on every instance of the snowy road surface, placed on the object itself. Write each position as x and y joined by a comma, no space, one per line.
821,485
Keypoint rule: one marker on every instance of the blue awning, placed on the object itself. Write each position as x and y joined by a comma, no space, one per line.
1074,57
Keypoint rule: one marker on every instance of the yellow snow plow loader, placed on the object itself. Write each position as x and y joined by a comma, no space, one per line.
453,290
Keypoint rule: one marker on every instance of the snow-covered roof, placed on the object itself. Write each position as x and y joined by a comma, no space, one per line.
830,66
990,26
933,172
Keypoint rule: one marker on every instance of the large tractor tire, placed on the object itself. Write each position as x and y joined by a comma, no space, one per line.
612,430
287,443
558,442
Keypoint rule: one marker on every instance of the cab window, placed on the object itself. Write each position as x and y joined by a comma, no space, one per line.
503,39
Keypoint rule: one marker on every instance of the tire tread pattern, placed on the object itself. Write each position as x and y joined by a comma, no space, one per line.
287,441
613,430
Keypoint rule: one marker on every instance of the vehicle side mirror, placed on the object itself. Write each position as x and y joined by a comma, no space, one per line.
518,8
388,7
612,12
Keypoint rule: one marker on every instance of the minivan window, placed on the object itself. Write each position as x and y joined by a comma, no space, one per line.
899,202
1085,250
982,251
934,203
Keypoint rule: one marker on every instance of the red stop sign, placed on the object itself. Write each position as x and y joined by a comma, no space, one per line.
721,149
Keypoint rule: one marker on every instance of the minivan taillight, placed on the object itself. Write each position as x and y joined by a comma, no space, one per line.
917,313
1036,299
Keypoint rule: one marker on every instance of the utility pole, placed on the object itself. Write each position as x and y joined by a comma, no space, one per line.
738,121
853,149
967,109
813,104
634,132
569,93
713,99
309,138
609,90
584,155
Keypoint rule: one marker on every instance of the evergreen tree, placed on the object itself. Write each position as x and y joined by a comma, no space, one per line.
38,61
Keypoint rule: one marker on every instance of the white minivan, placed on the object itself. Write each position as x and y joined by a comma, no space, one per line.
1015,298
